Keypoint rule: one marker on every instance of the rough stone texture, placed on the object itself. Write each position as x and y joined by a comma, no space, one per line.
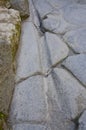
29,102
56,48
9,39
6,90
52,50
66,94
28,62
44,55
68,18
57,118
82,1
55,22
22,6
76,40
3,2
58,4
47,97
9,16
77,65
82,121
43,7
28,127
75,14
33,15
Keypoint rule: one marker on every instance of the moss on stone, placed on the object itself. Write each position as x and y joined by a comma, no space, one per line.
9,42
3,116
3,121
15,40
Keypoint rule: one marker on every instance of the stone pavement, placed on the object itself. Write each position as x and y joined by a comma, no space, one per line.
50,89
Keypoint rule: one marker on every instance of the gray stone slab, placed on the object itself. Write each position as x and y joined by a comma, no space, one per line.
76,40
82,121
58,118
33,15
57,50
66,97
77,65
58,4
75,14
44,55
82,1
29,103
52,50
66,19
43,7
28,127
28,55
55,22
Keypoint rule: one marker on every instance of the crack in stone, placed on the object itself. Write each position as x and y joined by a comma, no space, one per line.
41,29
76,119
35,74
73,76
28,122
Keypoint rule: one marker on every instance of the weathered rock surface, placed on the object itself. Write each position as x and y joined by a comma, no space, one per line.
29,102
6,90
77,65
55,100
57,118
28,59
54,22
68,18
56,47
43,7
47,97
82,121
58,4
3,2
75,14
33,15
70,94
76,40
9,40
29,127
52,51
44,55
22,6
82,1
